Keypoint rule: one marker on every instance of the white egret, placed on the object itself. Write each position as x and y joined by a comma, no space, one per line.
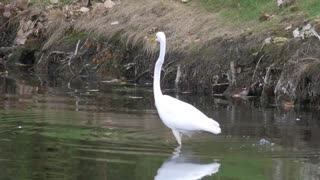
180,117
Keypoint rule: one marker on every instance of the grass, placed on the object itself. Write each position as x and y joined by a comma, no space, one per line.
42,2
241,10
47,2
246,10
74,36
310,7
188,26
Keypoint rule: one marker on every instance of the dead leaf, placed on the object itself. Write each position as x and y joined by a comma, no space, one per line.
279,40
109,4
265,16
197,40
280,2
84,9
114,23
153,30
288,27
54,1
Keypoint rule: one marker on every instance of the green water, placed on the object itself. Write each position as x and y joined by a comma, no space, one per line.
50,131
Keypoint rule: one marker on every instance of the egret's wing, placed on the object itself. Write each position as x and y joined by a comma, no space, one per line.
181,115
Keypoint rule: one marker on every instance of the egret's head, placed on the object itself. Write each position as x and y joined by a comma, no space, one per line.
160,36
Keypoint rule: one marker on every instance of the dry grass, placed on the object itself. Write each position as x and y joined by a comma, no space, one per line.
57,27
186,27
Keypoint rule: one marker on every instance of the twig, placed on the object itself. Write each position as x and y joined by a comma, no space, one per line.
233,73
40,59
84,44
314,32
255,70
178,76
266,77
77,47
220,84
75,53
84,68
309,58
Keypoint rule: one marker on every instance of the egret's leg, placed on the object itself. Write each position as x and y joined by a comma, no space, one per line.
177,135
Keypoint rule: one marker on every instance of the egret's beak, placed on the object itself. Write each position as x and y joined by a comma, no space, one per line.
153,39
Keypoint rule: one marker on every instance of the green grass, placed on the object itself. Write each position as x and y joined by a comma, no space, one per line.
47,2
241,10
75,35
310,7
246,10
42,2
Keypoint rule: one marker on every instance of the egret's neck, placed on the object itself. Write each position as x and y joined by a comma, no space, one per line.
157,71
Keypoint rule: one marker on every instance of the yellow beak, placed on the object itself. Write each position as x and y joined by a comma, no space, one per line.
153,39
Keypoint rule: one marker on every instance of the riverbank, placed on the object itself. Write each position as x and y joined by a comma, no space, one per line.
206,53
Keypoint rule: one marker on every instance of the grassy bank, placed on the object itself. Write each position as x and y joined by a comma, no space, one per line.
217,47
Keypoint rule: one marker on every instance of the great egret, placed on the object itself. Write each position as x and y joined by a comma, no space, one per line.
180,117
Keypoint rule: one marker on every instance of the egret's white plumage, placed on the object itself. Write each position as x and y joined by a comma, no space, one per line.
180,117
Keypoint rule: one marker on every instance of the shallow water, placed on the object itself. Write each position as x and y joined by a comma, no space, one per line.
50,130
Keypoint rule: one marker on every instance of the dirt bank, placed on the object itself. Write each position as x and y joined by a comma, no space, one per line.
205,54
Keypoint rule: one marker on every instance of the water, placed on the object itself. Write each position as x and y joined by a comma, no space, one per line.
53,131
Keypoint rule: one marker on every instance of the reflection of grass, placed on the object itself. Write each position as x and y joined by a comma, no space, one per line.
241,166
71,132
240,158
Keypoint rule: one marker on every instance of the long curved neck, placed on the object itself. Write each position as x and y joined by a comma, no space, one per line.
157,70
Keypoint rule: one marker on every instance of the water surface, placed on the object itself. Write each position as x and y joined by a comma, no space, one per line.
54,130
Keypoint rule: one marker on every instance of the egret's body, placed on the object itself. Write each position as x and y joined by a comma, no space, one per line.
180,117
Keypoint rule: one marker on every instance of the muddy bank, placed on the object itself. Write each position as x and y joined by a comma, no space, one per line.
240,65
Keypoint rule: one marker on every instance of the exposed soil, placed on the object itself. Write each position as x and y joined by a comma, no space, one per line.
204,53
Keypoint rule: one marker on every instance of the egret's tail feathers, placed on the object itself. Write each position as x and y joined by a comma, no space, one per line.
213,127
215,122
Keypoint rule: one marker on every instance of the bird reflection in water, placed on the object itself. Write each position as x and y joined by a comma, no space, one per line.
185,167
